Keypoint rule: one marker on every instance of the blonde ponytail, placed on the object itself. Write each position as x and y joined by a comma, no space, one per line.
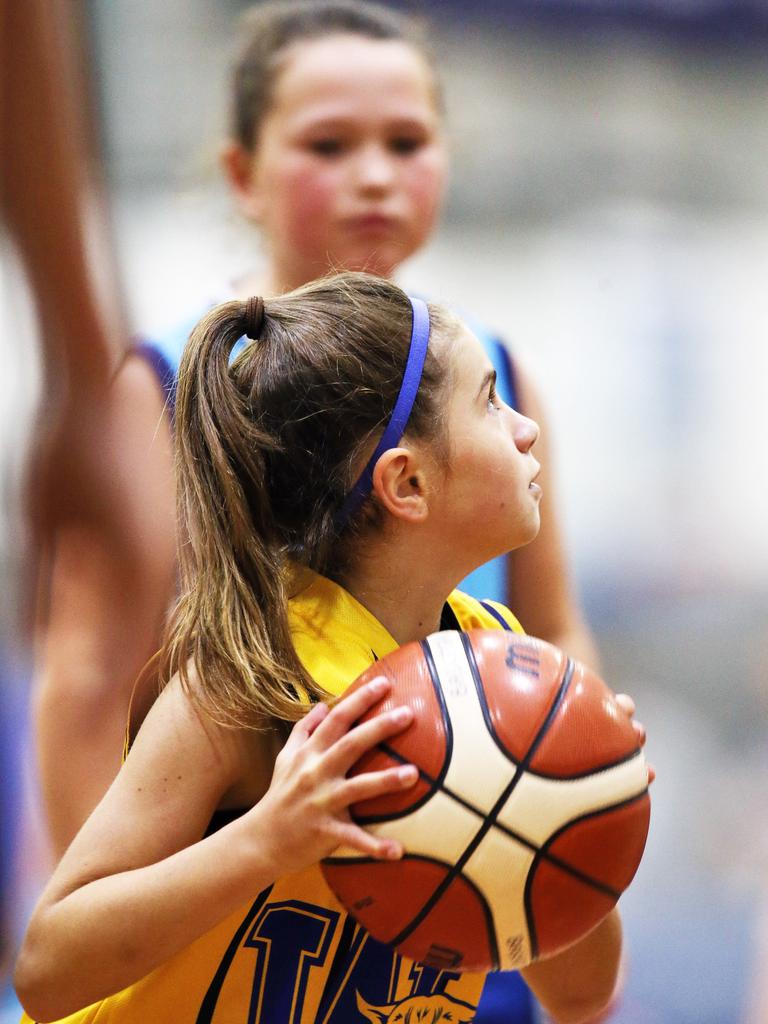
266,446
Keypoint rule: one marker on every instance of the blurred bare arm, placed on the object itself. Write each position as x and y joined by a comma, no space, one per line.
578,985
111,582
540,591
100,495
53,211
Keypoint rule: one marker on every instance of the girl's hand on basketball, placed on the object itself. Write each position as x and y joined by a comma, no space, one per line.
627,705
307,804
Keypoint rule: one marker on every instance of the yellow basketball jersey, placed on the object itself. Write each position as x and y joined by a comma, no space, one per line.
291,954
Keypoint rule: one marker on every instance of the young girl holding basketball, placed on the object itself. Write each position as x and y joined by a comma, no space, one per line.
330,482
338,154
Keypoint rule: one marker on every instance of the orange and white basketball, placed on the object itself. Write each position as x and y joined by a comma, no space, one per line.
530,814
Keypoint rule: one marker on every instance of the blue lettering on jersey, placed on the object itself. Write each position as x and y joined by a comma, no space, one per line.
291,937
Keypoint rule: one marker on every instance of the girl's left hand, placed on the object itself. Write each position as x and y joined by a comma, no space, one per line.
627,705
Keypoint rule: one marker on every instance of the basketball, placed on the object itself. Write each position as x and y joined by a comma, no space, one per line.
528,819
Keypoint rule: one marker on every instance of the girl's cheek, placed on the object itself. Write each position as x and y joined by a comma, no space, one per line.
318,183
308,195
427,181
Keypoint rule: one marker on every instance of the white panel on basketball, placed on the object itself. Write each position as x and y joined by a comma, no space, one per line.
538,807
503,891
478,770
441,828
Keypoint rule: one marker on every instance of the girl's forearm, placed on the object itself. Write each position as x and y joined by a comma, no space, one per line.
577,984
125,925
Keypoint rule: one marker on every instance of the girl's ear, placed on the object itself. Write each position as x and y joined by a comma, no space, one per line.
238,165
399,483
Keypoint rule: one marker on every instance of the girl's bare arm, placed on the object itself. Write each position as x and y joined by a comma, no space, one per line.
576,985
136,886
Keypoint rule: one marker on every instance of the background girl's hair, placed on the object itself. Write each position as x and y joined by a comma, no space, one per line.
270,28
267,447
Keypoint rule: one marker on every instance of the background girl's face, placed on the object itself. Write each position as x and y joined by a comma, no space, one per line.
350,166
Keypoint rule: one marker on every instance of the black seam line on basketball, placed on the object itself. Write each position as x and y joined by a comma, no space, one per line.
372,819
544,851
456,869
487,912
530,920
575,776
469,654
545,854
211,997
524,763
434,785
607,766
529,844
544,729
447,725
490,820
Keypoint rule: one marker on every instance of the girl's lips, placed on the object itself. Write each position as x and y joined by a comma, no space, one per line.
372,222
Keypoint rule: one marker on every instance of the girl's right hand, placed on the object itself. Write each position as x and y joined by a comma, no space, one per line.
305,814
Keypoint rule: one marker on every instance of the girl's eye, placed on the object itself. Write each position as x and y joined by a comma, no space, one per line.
404,145
326,147
493,398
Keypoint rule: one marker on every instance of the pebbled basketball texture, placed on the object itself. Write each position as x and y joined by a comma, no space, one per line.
530,814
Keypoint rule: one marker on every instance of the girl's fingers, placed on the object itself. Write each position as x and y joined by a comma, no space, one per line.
313,718
353,706
352,835
353,744
306,726
373,784
626,703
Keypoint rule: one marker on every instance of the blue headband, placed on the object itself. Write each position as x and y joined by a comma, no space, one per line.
398,421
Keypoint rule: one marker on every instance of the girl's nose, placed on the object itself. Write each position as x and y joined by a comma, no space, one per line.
526,432
375,169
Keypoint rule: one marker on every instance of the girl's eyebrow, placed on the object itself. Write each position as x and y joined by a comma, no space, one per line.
487,381
326,121
331,121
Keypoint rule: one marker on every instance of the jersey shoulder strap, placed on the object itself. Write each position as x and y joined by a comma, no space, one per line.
163,351
472,613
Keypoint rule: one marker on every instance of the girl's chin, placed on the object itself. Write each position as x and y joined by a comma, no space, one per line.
382,260
529,533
